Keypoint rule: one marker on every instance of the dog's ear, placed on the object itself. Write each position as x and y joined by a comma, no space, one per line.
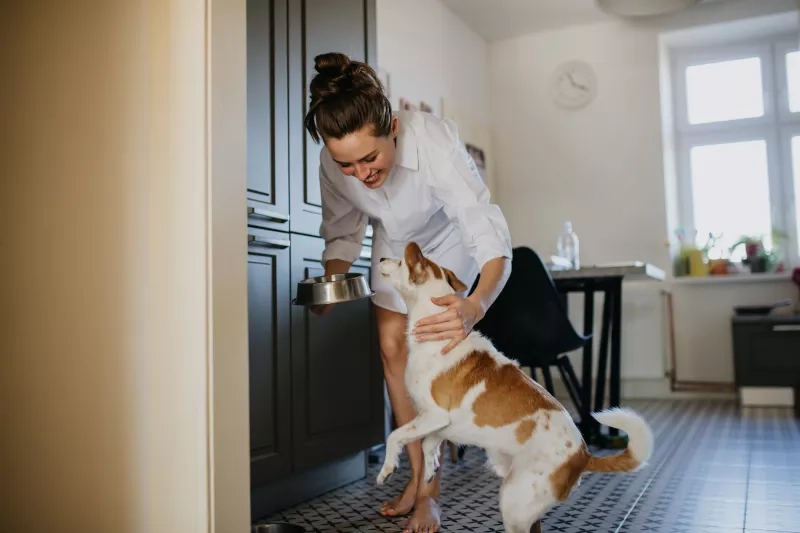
453,280
417,264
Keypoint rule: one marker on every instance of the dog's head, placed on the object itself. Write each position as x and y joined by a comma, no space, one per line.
416,273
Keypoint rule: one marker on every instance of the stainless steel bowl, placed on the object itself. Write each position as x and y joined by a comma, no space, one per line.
333,289
277,528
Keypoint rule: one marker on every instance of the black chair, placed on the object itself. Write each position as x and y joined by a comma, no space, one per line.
528,322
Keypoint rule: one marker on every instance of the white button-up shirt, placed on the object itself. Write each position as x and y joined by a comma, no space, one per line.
434,196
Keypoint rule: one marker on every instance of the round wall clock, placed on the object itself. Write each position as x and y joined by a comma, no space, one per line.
573,85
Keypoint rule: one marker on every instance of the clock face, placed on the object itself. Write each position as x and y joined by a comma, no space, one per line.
573,85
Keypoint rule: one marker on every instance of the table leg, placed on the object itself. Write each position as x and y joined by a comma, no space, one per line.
586,377
616,351
602,363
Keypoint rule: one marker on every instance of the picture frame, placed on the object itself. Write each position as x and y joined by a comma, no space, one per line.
407,105
478,157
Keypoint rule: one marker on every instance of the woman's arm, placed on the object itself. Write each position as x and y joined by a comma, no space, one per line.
494,275
456,183
343,228
462,314
337,266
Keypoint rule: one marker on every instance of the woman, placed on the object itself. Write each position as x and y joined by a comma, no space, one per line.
410,176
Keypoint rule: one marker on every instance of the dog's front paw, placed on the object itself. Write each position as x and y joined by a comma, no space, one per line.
386,472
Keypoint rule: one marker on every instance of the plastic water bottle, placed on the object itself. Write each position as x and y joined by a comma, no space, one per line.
568,246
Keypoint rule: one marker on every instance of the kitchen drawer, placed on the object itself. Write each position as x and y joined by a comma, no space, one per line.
766,351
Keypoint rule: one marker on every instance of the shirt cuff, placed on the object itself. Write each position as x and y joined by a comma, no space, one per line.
486,234
342,249
487,250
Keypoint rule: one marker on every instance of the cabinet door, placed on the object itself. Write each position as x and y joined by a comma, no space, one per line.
337,379
268,302
317,27
267,114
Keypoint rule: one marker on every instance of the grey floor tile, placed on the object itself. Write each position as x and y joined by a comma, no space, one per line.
773,493
715,469
773,517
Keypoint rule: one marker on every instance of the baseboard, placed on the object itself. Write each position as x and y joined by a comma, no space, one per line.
767,396
298,488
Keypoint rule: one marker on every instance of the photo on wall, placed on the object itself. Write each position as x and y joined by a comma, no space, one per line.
407,105
478,157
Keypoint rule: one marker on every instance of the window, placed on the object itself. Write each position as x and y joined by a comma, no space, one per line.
737,116
727,90
793,80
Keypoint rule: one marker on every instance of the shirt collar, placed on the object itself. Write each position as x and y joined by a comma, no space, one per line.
406,144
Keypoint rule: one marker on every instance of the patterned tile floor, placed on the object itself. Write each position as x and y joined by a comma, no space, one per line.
716,469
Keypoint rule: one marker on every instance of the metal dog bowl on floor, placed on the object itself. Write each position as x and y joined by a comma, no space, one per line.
277,528
333,289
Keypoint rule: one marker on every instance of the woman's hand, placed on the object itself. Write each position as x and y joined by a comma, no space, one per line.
455,323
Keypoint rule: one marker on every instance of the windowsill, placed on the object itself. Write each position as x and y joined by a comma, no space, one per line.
735,278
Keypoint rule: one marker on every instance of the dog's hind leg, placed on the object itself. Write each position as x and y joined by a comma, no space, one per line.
524,499
423,425
500,462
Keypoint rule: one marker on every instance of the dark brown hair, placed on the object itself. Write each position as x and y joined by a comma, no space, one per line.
346,96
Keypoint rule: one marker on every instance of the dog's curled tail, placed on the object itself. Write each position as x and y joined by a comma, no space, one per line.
640,442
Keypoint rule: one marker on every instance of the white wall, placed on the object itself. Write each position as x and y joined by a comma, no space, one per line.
602,166
431,54
123,393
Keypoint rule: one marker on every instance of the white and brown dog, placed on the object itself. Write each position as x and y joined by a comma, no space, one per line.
476,396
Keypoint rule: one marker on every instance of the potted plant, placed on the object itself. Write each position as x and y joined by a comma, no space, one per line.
757,257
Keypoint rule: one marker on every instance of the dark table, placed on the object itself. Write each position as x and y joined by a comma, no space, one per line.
608,280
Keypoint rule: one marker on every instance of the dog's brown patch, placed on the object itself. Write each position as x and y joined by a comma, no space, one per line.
622,462
525,430
453,280
565,477
509,395
420,267
417,264
568,444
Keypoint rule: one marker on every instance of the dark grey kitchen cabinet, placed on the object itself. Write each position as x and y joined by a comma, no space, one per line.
317,27
316,383
337,379
267,114
269,307
766,351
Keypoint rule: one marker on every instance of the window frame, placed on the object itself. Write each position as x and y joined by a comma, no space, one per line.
791,214
691,58
782,47
776,127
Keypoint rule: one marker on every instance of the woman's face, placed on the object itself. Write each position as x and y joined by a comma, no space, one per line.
364,156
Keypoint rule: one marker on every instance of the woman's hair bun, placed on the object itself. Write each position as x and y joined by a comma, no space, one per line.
337,73
331,64
345,95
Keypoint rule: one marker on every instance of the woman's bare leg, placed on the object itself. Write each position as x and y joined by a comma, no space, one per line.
417,495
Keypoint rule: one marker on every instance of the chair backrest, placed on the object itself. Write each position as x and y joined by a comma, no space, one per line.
528,321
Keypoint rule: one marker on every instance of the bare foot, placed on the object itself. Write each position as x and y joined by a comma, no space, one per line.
426,517
403,504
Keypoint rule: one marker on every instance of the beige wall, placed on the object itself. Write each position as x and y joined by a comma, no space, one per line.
603,168
110,324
